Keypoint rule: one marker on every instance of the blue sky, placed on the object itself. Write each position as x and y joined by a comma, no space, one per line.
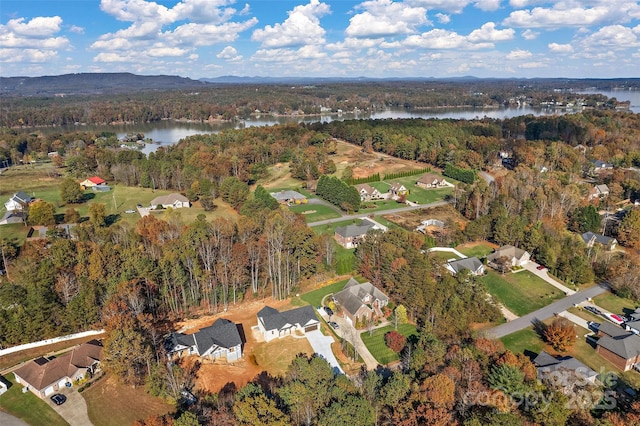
315,38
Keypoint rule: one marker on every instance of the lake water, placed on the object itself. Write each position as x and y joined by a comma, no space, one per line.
621,95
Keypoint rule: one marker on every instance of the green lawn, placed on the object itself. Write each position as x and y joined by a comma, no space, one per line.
615,304
416,194
377,346
27,406
521,292
316,212
523,340
314,298
378,206
331,227
585,315
479,250
443,256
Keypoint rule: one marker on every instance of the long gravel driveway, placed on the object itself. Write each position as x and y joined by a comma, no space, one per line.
546,312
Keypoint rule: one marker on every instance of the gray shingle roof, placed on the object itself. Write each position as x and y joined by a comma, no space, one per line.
272,319
507,251
350,298
470,263
622,343
354,230
222,333
588,236
547,364
287,195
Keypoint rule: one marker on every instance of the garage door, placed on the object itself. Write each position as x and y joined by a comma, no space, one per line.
48,391
311,328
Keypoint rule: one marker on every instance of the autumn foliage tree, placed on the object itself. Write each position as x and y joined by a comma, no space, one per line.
560,334
395,341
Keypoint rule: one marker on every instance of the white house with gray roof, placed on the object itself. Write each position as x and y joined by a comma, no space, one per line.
350,236
472,264
174,200
274,324
289,197
219,340
18,201
591,239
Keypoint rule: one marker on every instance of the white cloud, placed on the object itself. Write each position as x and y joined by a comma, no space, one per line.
39,27
229,53
560,48
302,27
612,37
572,13
386,18
488,32
32,41
519,54
529,34
528,65
488,5
76,29
442,18
452,6
162,51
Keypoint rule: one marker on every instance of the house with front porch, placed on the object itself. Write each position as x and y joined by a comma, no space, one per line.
397,189
219,340
173,200
18,202
360,302
430,181
44,376
368,192
273,324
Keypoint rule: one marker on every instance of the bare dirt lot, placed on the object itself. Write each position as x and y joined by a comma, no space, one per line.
366,164
273,357
410,220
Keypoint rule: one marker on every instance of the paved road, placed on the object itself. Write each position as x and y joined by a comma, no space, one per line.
391,211
546,312
9,420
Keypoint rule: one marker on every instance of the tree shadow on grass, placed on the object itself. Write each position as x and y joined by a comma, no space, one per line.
111,219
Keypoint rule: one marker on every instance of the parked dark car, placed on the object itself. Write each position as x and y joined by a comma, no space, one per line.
328,310
334,324
593,310
540,267
593,326
58,399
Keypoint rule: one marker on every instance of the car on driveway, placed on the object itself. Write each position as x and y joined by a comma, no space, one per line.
130,211
593,326
334,324
593,310
328,310
58,399
614,318
540,267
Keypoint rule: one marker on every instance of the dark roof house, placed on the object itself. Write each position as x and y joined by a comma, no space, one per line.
361,301
563,371
219,340
620,347
275,324
591,238
349,236
472,264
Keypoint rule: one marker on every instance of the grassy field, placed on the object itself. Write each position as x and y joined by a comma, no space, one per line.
443,256
615,304
110,403
315,297
27,406
275,357
377,346
479,249
523,341
522,292
416,194
315,212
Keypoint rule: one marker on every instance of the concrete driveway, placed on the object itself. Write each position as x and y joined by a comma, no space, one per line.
321,345
74,410
9,420
532,267
351,335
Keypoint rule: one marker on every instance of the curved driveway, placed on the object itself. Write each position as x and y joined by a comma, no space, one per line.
546,312
9,420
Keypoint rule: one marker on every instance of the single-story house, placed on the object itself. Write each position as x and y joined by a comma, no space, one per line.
508,255
173,200
598,191
396,189
289,197
44,376
18,201
599,165
93,181
361,301
591,238
368,192
429,180
618,346
350,236
564,372
219,340
274,324
472,264
633,325
13,216
40,231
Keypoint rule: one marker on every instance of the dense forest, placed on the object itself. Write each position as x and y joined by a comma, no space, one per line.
135,281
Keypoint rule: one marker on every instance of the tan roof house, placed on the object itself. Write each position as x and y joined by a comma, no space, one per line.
509,256
368,192
360,302
429,181
173,200
397,189
44,376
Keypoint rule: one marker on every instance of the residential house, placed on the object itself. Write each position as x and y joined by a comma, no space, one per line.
633,325
564,372
598,191
219,340
599,165
507,257
618,346
93,181
3,386
472,264
38,232
289,197
350,236
368,192
361,302
18,201
44,376
429,181
13,216
591,239
274,324
397,189
173,200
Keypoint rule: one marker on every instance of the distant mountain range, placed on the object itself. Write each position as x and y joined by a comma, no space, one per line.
122,83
